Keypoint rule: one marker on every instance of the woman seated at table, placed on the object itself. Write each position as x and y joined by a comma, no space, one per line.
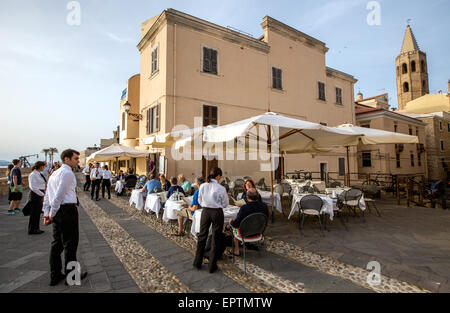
253,206
247,186
189,211
152,184
174,188
164,182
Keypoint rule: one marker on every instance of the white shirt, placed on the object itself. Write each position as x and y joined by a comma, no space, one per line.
96,173
46,171
86,170
213,195
37,183
107,174
60,190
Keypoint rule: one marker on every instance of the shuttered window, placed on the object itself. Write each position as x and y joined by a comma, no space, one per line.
338,95
209,61
341,166
154,119
366,159
209,115
154,60
321,91
277,78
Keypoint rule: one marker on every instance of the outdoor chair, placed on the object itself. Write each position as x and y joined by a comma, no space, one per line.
238,187
286,197
310,205
251,230
351,200
371,203
335,184
261,184
129,185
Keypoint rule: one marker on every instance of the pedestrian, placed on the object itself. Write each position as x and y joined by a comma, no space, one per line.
46,171
87,175
106,181
37,184
15,187
60,209
212,197
165,184
96,181
8,175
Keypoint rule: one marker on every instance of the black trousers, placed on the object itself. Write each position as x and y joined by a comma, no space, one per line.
35,213
87,184
95,188
65,238
106,183
216,218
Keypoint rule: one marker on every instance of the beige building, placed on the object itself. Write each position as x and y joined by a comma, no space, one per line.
194,68
374,113
84,154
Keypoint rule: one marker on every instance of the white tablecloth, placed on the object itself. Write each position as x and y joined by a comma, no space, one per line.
266,197
154,202
229,212
137,198
119,186
172,207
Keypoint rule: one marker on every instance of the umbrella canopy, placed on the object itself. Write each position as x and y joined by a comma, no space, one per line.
178,138
116,151
289,135
377,137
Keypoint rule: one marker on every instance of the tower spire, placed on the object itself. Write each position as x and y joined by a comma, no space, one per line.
409,41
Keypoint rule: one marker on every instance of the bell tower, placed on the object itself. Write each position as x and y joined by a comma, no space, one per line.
411,71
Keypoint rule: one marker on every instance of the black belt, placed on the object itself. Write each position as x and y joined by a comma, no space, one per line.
212,208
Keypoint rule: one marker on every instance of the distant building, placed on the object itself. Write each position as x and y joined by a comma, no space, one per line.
84,154
374,113
107,142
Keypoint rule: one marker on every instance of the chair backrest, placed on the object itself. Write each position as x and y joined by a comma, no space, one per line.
261,182
311,202
252,225
305,188
353,194
239,182
311,189
278,189
131,182
335,184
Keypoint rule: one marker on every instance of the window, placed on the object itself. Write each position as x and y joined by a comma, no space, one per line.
153,119
410,131
366,159
404,68
442,145
209,115
338,95
209,61
440,126
277,78
123,120
406,87
413,66
397,159
341,166
419,159
417,131
422,66
412,159
155,66
321,91
395,128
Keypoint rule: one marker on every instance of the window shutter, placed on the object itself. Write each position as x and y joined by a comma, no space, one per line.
213,61
205,116
148,122
153,61
156,59
206,60
280,86
274,77
214,116
158,110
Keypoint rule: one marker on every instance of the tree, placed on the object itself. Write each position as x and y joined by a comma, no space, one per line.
46,151
51,152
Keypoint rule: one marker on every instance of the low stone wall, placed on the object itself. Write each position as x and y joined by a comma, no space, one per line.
24,171
4,184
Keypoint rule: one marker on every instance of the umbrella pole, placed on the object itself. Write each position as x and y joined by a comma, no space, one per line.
348,167
269,145
117,166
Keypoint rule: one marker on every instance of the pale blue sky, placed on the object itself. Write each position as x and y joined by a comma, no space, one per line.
60,85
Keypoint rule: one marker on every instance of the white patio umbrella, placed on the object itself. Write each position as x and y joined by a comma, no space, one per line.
287,135
116,151
372,136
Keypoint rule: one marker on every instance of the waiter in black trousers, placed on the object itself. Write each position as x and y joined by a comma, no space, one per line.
96,179
60,209
212,197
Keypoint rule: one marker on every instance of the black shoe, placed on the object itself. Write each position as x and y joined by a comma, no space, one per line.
213,268
98,199
82,276
56,280
109,198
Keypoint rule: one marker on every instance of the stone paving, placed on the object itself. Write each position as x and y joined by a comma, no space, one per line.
125,250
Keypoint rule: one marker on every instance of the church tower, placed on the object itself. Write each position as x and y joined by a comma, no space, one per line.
412,71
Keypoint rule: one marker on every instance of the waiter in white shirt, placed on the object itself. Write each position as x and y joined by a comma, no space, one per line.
60,209
37,184
96,179
106,181
87,172
212,197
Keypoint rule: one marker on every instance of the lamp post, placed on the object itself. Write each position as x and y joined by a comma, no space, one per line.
134,116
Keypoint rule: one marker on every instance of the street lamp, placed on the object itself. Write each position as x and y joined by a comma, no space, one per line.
134,116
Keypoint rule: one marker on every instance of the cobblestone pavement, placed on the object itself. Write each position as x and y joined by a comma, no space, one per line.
125,250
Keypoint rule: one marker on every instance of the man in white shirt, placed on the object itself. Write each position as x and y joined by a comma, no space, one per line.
96,179
87,172
60,209
212,197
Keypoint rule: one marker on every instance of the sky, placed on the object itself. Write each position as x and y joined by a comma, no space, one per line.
60,84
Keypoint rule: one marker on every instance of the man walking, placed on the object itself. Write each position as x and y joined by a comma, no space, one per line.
16,187
60,209
87,175
96,181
